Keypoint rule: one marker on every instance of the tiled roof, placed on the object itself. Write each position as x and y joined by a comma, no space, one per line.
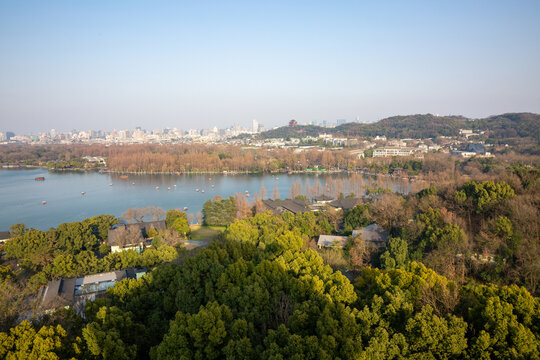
331,240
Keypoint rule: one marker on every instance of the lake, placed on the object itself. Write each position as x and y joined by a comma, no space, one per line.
21,196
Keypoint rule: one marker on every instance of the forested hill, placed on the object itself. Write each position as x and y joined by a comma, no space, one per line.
423,126
409,126
510,125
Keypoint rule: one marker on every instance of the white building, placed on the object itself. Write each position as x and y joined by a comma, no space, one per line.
389,152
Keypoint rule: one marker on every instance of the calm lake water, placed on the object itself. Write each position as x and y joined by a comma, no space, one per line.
21,196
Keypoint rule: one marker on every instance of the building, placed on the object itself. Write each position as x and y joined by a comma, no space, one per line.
473,150
322,199
389,152
255,126
329,241
293,123
478,149
345,203
373,234
132,236
76,291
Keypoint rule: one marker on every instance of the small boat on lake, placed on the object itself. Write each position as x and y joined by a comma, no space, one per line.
43,202
40,178
157,187
185,208
202,191
123,177
110,184
169,189
174,185
82,193
196,190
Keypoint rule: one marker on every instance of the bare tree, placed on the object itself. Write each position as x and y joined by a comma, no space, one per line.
296,189
199,217
262,192
126,235
275,192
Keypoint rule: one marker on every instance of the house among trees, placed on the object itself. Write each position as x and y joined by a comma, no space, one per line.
322,199
329,241
75,292
294,206
132,236
345,203
373,234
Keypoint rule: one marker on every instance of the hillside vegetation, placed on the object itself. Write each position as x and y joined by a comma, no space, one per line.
504,126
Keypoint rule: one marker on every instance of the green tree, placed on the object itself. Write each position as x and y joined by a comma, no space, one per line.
177,220
357,217
24,342
396,254
112,334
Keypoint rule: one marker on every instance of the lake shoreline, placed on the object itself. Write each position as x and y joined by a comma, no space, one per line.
224,172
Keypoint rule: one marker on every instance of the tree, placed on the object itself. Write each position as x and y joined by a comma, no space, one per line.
23,342
275,193
177,220
485,195
112,334
356,218
262,192
219,211
396,254
296,189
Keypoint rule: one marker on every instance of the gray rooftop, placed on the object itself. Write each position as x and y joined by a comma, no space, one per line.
331,241
373,233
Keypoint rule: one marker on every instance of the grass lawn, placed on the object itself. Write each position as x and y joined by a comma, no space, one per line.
205,233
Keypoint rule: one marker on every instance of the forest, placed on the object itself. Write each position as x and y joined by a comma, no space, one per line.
457,279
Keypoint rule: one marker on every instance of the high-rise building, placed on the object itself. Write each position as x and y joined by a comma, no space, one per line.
255,126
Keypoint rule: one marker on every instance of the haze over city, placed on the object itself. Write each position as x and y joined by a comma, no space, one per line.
121,64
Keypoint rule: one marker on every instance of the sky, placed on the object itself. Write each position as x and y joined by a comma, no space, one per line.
198,64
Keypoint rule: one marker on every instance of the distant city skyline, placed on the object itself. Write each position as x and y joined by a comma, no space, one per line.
193,65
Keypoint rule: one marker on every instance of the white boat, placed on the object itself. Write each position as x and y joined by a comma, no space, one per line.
82,193
157,187
202,191
169,189
43,202
196,190
185,208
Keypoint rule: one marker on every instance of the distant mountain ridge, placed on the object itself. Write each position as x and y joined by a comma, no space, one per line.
502,126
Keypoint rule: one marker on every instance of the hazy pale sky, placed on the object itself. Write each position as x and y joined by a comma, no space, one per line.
192,64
